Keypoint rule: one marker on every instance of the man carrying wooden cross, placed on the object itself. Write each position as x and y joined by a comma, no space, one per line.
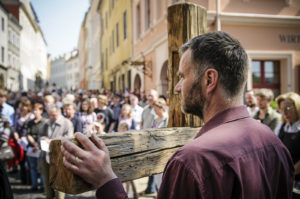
233,155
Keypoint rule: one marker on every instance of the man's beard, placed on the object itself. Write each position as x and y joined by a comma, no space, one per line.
194,102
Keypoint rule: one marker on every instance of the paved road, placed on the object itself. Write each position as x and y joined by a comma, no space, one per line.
23,191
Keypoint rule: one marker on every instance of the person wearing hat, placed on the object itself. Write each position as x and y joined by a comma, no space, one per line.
105,114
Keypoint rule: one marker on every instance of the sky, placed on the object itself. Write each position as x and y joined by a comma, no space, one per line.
60,21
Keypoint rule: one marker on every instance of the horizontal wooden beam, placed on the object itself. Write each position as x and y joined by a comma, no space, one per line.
134,155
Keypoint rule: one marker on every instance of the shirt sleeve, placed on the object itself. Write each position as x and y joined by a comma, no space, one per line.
112,190
179,182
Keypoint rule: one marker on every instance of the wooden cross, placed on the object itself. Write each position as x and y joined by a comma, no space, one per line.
137,154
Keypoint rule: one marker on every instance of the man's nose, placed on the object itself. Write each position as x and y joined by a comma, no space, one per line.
177,87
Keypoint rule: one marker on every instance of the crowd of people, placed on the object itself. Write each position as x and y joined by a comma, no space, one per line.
233,155
34,120
30,122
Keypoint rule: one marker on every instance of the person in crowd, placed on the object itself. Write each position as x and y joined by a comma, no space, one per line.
289,134
232,151
87,114
160,121
123,127
20,134
161,118
94,103
250,100
266,114
33,136
56,127
105,114
70,110
116,106
280,107
5,134
48,99
136,111
7,109
5,188
148,115
126,116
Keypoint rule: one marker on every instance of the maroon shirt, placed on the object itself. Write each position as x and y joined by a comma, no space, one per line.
233,156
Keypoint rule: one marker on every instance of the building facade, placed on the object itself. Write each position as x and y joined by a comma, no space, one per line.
13,70
58,72
268,30
33,49
116,44
82,50
151,44
93,46
72,70
3,45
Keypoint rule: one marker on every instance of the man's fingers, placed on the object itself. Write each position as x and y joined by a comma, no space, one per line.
85,141
70,148
72,158
75,169
99,143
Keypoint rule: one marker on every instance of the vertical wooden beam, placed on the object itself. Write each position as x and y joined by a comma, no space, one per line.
185,21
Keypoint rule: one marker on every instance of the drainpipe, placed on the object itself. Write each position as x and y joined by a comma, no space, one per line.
218,19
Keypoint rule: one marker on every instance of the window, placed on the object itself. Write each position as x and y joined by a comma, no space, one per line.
125,25
106,19
147,14
9,59
113,41
117,34
9,35
102,63
2,24
106,58
129,80
2,54
138,21
266,74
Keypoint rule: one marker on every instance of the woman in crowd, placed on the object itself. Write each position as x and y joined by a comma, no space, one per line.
280,106
290,134
33,152
160,121
126,116
87,114
21,124
162,117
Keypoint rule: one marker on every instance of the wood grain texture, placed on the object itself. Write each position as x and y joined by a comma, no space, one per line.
185,21
134,155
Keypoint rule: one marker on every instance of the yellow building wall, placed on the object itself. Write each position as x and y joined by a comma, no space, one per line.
117,60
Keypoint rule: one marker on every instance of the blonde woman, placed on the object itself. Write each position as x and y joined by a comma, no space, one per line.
289,134
126,116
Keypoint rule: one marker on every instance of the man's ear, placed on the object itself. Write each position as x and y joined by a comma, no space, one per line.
211,80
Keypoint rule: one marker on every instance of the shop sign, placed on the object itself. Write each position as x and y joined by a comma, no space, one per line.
289,38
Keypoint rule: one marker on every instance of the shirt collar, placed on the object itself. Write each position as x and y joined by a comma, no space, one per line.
59,120
294,128
228,115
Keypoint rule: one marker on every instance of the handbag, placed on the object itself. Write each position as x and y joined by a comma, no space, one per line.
6,153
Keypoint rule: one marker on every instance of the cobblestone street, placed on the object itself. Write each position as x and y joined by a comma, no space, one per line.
24,192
